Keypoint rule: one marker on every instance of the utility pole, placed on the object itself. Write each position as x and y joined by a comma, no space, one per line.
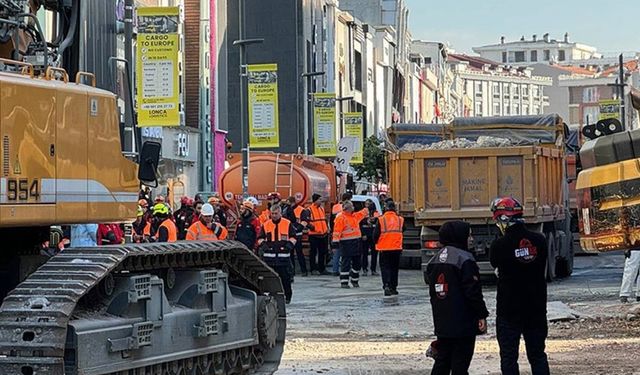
308,144
622,86
244,143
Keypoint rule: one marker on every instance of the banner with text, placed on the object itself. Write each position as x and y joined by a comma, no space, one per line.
609,109
157,84
353,128
324,124
263,106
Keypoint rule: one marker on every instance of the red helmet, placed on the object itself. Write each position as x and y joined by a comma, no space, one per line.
185,200
506,208
273,196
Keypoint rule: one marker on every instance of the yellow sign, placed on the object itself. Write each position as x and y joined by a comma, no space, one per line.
157,66
263,106
324,124
609,109
353,128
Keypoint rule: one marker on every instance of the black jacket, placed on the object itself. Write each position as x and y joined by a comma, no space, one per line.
456,294
183,218
520,257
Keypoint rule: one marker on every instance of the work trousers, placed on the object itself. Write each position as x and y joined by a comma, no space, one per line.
296,253
285,271
630,275
534,331
389,266
350,266
318,253
453,355
369,247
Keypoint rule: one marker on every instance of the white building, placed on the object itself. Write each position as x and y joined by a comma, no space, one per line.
535,50
498,90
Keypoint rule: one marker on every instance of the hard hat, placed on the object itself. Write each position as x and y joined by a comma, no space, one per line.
248,204
254,201
160,209
214,200
506,208
184,200
140,212
143,203
159,198
274,195
207,210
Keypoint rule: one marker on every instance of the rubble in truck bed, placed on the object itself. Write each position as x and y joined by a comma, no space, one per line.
481,142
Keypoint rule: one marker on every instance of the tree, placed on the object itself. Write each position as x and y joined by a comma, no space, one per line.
373,168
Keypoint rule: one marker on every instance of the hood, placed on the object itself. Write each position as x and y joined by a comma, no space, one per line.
455,233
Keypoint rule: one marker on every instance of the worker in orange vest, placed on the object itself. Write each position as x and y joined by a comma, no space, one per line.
166,229
206,229
348,238
277,239
368,245
388,238
299,217
335,211
272,198
318,231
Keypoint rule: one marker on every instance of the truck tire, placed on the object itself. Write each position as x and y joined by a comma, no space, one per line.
551,258
426,278
564,264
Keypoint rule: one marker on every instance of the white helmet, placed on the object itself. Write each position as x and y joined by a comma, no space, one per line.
207,210
254,201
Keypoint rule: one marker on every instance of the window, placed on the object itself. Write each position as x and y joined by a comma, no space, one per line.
536,91
478,89
534,56
516,109
504,57
561,55
478,111
507,109
525,91
496,90
536,110
525,109
590,95
516,92
519,56
358,71
547,55
506,90
496,109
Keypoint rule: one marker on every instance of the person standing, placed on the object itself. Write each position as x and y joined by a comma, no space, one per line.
368,243
272,198
387,237
300,217
206,229
277,239
248,226
520,258
183,217
335,211
163,228
348,238
141,227
630,275
318,236
84,235
219,215
109,234
457,303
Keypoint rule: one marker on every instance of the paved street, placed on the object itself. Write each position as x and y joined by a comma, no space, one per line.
336,331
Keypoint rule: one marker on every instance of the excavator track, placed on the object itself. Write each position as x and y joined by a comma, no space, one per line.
69,316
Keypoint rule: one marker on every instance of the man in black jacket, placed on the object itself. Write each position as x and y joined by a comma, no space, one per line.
459,311
520,257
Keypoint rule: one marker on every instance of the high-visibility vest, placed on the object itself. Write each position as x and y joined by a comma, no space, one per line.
279,237
264,216
347,226
199,232
298,211
336,209
146,231
318,220
390,232
171,228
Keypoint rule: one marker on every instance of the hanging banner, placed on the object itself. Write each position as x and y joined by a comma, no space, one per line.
353,128
263,106
324,124
157,84
609,109
346,150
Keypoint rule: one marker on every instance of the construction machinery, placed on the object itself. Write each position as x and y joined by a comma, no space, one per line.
609,187
197,308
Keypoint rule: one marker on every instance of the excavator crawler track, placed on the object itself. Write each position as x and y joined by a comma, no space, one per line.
77,305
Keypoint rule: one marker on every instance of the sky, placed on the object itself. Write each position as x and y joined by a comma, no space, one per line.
471,23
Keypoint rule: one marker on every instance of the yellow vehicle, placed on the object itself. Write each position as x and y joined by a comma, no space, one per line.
205,308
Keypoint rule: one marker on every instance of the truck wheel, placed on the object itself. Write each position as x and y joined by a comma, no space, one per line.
564,265
426,278
551,259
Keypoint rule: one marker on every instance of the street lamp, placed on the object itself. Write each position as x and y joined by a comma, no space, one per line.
340,100
244,143
307,140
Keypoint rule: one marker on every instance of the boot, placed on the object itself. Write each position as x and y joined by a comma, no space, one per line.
364,272
344,286
624,299
394,292
387,292
355,284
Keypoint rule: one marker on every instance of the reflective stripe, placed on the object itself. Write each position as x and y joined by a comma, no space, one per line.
279,255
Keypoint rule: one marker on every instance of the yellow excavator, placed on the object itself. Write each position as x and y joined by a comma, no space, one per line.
181,308
609,187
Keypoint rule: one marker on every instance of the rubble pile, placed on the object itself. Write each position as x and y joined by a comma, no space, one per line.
481,142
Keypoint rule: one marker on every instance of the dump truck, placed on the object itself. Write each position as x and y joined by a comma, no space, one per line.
446,183
609,190
191,307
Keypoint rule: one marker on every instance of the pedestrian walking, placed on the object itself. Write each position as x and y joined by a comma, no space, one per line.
387,236
318,236
335,211
520,257
630,275
368,243
206,229
277,239
163,227
348,239
84,235
248,226
458,307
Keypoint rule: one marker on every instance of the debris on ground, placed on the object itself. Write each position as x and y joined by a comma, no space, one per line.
559,312
481,142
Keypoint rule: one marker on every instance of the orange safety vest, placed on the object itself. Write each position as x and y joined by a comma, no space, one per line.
347,226
336,209
298,211
319,221
265,216
171,228
273,238
390,232
145,232
199,232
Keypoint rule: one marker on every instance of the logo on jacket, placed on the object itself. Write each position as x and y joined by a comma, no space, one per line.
441,287
526,252
444,254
